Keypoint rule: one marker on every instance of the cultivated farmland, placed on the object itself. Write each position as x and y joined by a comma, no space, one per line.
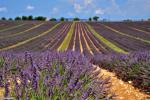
119,47
106,37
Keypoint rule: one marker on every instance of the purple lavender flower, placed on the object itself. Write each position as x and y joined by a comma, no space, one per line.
6,89
62,75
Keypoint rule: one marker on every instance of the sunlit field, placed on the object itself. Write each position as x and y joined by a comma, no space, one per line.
73,58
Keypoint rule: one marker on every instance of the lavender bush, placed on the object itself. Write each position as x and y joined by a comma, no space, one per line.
133,67
51,76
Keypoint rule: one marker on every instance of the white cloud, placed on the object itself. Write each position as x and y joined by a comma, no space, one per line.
114,9
30,7
3,9
70,14
99,11
77,7
111,8
129,9
86,7
55,10
88,2
137,7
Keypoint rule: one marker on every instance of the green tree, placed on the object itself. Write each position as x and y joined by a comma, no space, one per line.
53,19
30,17
76,19
10,19
62,19
95,18
18,18
24,18
3,18
66,19
127,20
90,19
40,18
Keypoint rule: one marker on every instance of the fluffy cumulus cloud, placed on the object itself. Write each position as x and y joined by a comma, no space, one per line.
55,10
88,2
114,8
3,9
99,11
77,7
111,9
30,7
137,7
82,6
128,9
70,14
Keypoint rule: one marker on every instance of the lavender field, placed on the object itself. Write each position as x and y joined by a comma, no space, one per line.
65,60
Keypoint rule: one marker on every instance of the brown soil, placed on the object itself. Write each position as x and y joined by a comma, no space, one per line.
1,93
123,90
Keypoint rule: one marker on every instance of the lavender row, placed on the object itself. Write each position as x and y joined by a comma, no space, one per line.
133,67
45,42
124,42
122,27
54,76
27,35
140,25
8,24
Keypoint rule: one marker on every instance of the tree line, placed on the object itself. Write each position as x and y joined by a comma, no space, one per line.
29,18
41,18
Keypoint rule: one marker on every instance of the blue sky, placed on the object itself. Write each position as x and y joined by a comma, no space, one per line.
109,9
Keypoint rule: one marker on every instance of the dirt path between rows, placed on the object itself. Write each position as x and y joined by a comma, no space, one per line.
1,93
123,90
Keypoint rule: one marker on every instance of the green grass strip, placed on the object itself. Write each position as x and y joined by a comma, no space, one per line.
116,31
109,44
19,33
33,38
13,27
67,39
140,30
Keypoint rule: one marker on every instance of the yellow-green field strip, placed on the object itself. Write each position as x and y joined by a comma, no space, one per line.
13,27
23,31
33,38
116,31
85,41
64,45
105,41
139,30
97,41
